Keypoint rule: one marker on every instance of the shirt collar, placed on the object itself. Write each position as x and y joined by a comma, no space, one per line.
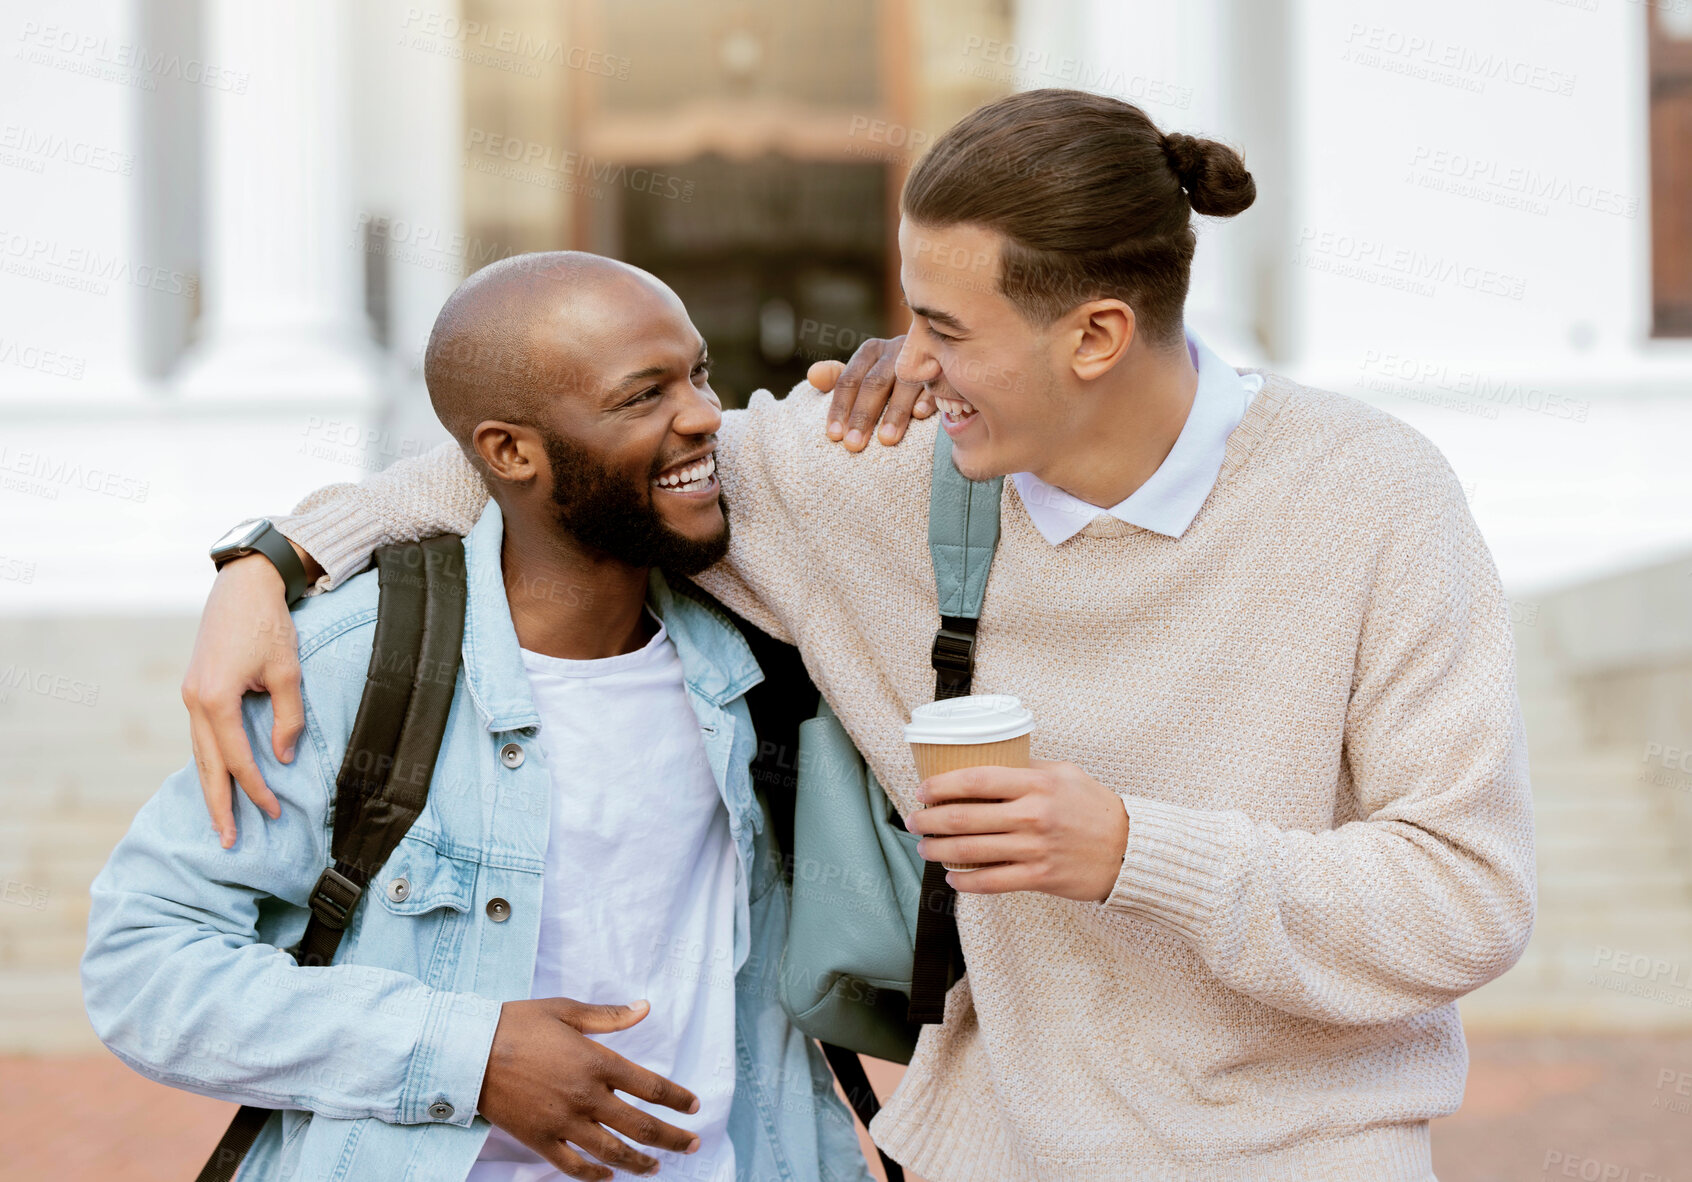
717,663
1168,502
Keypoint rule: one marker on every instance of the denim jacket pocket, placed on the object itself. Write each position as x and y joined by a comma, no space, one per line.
419,878
417,920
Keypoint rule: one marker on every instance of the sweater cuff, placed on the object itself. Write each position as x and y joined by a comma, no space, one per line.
340,537
1180,867
450,1060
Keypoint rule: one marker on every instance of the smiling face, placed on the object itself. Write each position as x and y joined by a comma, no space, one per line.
583,390
632,447
998,380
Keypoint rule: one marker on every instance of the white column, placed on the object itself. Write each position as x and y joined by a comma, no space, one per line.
283,270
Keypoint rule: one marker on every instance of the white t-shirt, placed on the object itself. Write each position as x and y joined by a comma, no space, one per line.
639,894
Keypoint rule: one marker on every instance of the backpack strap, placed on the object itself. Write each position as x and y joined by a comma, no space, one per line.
383,784
963,533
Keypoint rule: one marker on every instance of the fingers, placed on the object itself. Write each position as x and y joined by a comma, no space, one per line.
993,880
236,753
981,783
899,411
600,1019
846,387
979,848
573,1164
873,394
823,374
948,819
214,778
613,1151
646,1085
282,679
645,1128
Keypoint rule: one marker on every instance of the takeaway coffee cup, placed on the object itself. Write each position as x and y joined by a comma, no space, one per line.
981,730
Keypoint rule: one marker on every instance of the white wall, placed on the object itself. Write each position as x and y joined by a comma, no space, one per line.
113,479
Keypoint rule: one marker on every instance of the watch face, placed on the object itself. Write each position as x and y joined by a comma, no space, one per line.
241,537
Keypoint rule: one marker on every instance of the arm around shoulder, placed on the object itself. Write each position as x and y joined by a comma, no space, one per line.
341,525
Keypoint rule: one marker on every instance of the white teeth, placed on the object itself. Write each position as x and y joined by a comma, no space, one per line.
956,407
691,478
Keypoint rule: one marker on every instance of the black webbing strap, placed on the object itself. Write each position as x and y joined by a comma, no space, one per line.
849,1070
937,961
383,784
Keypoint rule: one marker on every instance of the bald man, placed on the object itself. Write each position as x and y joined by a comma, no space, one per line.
575,946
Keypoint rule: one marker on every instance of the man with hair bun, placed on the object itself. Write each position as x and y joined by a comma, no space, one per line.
1280,820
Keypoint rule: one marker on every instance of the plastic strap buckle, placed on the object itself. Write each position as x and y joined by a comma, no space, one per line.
333,898
953,657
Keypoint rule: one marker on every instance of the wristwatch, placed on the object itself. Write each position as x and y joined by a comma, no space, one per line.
261,537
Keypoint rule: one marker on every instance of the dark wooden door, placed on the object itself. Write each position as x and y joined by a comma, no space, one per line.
1671,172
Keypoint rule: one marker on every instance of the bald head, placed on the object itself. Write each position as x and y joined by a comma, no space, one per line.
534,328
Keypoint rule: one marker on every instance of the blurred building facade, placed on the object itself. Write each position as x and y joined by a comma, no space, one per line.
228,227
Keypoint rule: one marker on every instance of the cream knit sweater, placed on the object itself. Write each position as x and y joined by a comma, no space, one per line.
1308,705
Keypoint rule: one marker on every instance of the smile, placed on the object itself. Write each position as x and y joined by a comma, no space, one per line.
957,411
693,479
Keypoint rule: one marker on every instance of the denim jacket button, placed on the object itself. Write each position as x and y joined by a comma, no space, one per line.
511,755
440,1110
499,910
399,889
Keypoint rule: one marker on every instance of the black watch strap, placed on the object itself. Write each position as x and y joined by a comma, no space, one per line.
270,543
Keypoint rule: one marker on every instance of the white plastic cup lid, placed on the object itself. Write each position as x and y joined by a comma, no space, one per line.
978,718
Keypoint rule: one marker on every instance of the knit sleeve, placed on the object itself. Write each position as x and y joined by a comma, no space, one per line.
1429,893
340,525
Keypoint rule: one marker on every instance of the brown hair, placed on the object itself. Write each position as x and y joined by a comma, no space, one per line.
1093,200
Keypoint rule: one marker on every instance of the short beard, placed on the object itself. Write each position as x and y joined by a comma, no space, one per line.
604,512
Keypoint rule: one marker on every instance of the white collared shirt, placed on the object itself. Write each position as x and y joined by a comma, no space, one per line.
1172,497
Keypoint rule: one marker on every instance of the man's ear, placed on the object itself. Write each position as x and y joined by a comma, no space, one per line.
512,453
1103,331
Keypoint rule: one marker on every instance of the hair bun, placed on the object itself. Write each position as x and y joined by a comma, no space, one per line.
1213,175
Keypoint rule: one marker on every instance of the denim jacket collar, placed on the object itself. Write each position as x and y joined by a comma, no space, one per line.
717,663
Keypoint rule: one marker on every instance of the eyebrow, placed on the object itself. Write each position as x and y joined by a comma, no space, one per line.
631,380
934,315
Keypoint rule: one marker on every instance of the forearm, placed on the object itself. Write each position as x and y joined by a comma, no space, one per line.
336,528
248,1026
182,980
1370,922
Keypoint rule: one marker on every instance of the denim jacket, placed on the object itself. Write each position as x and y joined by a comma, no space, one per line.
376,1061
